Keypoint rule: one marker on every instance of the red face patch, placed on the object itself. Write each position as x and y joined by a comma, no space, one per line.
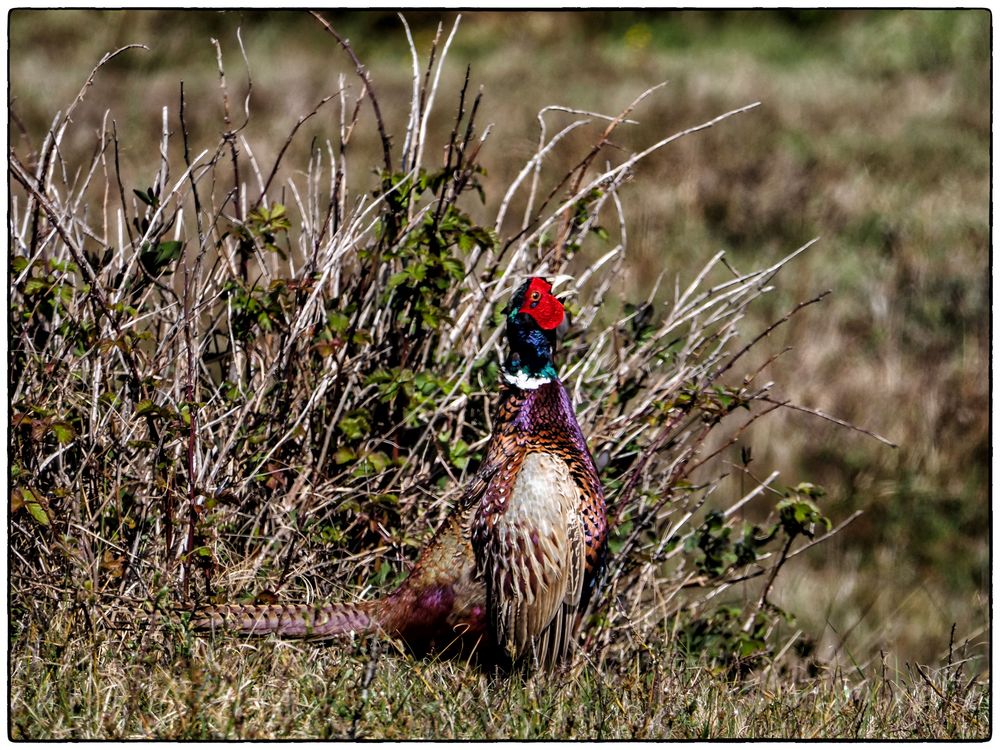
539,303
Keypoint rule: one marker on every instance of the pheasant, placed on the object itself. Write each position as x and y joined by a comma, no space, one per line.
540,529
513,567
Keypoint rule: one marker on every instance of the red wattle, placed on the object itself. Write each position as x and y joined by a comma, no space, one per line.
548,312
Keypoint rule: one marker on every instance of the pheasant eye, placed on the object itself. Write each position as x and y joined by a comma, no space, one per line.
535,296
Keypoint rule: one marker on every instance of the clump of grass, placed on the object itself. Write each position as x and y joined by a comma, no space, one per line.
244,380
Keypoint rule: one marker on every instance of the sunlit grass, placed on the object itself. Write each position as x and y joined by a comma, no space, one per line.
126,687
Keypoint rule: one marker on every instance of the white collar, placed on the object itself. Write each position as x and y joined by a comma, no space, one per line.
524,381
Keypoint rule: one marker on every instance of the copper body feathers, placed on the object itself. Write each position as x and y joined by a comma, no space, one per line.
540,528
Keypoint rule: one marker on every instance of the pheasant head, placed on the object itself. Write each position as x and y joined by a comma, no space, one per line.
533,316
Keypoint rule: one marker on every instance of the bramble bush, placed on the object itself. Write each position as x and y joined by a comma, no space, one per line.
235,381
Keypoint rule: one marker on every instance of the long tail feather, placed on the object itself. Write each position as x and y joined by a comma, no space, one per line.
288,620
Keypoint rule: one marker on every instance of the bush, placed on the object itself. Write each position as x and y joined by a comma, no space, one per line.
230,381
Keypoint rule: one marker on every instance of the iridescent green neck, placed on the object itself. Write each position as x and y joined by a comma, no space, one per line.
529,361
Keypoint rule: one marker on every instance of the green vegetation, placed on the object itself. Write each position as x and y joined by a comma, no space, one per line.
261,365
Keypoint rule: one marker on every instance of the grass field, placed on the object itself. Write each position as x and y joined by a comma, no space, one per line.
286,690
873,134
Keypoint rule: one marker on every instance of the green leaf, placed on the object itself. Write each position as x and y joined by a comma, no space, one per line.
378,460
800,516
809,489
396,279
354,427
34,506
338,322
620,534
147,199
63,432
417,271
145,407
65,266
38,513
19,263
454,267
458,452
343,455
33,286
155,259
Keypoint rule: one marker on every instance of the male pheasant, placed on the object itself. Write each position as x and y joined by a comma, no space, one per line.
515,564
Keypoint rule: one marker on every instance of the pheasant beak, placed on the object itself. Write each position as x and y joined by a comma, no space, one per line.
565,293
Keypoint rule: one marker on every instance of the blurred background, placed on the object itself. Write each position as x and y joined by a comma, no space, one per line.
873,134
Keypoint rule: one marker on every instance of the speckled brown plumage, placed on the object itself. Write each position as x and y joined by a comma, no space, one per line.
538,579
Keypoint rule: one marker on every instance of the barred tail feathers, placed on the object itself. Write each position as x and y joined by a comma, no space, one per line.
288,620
